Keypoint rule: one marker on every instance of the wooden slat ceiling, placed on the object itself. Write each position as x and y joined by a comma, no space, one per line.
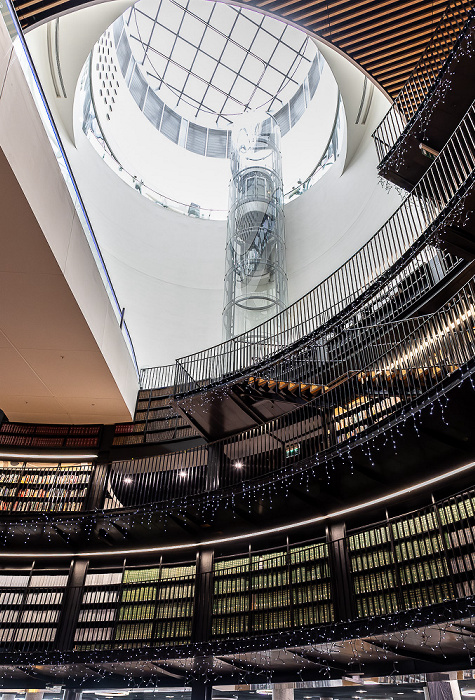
386,38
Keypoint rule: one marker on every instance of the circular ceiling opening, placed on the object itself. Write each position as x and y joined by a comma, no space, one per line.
211,61
166,81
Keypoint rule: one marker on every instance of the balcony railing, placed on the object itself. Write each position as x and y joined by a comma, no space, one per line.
404,362
371,377
414,223
423,78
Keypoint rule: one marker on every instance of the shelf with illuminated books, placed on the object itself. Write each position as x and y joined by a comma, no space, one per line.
400,565
47,487
373,574
277,590
156,606
30,606
421,560
98,613
457,524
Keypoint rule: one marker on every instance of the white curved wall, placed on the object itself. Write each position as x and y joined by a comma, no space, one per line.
168,269
329,222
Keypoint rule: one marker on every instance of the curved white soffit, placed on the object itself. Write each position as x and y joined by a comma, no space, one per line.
77,32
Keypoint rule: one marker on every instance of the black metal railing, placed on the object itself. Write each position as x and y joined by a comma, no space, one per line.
368,375
383,368
364,273
423,77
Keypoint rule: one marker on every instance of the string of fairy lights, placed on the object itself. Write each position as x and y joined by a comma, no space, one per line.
428,628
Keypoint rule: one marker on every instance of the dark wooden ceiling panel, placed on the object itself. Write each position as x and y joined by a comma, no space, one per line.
385,38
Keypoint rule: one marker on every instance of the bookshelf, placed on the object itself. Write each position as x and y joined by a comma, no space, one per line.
232,597
51,487
456,521
155,420
30,606
272,591
373,572
49,436
422,564
400,565
311,584
360,413
98,611
156,606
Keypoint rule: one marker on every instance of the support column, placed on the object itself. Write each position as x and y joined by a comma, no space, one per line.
71,694
340,570
201,690
71,605
203,602
283,691
8,696
442,686
34,694
95,496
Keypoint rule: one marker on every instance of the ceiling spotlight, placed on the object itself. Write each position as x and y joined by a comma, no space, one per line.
239,465
128,480
181,473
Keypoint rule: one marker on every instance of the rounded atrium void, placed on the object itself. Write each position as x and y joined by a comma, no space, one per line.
165,83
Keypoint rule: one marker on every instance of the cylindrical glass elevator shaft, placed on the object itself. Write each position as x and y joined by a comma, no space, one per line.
255,285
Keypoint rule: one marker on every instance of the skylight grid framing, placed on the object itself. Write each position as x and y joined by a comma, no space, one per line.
243,101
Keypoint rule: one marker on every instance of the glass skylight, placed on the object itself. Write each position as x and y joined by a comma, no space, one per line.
210,62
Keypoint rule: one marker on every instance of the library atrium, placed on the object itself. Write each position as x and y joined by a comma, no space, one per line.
237,377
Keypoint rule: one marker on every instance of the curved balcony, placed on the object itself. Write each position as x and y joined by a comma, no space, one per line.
388,278
215,616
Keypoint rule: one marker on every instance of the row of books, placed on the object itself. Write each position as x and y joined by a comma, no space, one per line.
103,579
382,604
97,615
300,599
40,493
43,506
178,591
374,581
41,429
312,572
371,560
7,491
311,593
369,538
421,547
411,573
158,573
239,584
463,509
308,553
237,564
152,611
